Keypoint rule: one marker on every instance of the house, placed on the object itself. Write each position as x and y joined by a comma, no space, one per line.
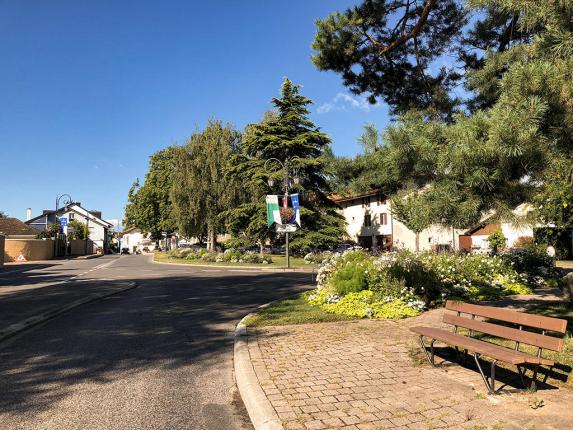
475,238
369,222
100,230
13,228
134,240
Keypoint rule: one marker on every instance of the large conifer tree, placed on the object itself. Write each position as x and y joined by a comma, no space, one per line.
288,134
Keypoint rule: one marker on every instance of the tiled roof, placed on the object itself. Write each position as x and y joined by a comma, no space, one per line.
13,226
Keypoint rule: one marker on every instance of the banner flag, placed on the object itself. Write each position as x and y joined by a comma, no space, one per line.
296,208
273,212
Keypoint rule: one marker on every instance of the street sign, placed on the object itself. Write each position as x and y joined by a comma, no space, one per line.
285,228
63,222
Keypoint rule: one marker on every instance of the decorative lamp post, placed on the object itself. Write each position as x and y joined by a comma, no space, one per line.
67,199
285,166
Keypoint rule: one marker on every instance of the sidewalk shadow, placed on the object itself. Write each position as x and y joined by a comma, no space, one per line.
506,376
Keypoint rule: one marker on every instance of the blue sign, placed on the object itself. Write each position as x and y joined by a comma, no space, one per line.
63,222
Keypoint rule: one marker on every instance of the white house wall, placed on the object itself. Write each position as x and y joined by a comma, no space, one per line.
353,212
512,233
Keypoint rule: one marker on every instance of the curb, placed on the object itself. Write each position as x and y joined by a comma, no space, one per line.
89,257
264,269
261,412
16,328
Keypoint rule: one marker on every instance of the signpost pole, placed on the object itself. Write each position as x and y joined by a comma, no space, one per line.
287,253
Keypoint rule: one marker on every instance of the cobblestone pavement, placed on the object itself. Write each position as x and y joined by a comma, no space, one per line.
369,375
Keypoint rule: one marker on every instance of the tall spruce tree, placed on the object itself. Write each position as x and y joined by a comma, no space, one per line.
286,135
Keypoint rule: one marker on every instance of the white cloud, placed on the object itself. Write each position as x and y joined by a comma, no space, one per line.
344,101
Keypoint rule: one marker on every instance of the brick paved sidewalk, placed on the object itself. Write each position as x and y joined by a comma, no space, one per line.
367,375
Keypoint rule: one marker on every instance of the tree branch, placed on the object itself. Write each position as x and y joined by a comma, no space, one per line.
384,49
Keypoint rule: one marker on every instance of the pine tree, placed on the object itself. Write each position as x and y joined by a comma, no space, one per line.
504,151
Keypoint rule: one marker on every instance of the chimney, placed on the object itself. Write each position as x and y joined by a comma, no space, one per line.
28,214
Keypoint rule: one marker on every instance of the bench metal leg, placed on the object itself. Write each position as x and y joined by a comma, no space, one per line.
429,357
532,381
490,385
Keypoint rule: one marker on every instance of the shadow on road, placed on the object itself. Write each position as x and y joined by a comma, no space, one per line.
166,323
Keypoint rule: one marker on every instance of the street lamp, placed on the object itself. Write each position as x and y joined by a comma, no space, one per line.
67,200
285,166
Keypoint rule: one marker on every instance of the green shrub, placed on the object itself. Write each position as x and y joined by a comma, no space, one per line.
250,257
232,254
497,240
410,269
209,257
384,285
532,261
352,273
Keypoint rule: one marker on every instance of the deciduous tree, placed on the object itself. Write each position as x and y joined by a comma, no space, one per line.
202,189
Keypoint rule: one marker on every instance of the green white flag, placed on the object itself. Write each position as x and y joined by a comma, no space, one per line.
273,212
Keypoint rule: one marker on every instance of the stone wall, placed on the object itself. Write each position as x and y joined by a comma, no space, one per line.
31,249
1,250
78,247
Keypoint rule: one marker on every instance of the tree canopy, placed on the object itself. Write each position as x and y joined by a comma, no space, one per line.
149,205
503,151
416,54
202,189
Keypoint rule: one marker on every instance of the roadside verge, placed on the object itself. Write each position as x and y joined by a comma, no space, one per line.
262,414
16,328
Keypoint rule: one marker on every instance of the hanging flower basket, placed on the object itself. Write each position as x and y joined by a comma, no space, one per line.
287,214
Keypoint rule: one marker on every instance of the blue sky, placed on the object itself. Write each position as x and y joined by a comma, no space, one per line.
88,90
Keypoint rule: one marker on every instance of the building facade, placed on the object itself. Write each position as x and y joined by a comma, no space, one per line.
99,229
369,223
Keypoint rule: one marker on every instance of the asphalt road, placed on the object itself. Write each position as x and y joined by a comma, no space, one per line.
156,357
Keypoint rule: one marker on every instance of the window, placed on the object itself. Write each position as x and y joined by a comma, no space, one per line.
380,199
71,216
367,220
365,201
383,219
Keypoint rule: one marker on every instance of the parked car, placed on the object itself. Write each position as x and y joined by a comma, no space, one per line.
345,247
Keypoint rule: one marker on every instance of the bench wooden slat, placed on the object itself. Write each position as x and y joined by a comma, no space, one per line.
491,350
529,338
511,316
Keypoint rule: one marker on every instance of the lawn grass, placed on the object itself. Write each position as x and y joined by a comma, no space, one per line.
279,261
294,310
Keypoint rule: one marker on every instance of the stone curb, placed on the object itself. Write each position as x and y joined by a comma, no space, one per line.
261,412
89,257
16,328
264,269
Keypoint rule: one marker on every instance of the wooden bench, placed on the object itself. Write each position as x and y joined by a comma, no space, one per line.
495,352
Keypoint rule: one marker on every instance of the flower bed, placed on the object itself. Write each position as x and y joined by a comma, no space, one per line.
229,256
398,285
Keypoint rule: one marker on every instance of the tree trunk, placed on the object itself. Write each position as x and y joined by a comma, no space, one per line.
417,242
262,247
211,239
